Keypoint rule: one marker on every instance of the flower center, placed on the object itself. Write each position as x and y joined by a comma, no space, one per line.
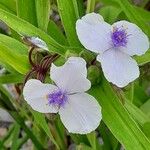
57,98
119,37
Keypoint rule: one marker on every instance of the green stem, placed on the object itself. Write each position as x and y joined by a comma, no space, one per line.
90,6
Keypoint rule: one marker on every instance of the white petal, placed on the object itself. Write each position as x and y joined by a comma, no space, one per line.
92,18
138,42
118,67
93,36
38,42
35,93
81,114
72,76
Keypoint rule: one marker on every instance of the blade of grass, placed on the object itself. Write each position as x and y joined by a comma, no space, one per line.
54,31
42,12
14,45
59,135
69,14
18,62
133,16
6,8
11,78
27,11
118,119
9,4
26,28
136,113
15,137
40,119
92,139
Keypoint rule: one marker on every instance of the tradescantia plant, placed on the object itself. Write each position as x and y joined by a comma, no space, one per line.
76,76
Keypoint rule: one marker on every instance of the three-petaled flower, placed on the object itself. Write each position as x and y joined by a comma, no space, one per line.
115,44
79,111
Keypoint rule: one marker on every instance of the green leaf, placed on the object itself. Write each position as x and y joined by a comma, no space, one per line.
42,12
133,16
145,14
11,78
146,129
110,13
15,137
77,138
9,5
92,139
59,135
18,62
118,120
146,107
27,11
40,119
144,59
69,14
54,31
110,2
140,95
106,136
26,28
5,8
136,113
7,66
14,45
81,8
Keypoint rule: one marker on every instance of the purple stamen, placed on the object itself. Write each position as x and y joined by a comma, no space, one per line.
57,98
119,37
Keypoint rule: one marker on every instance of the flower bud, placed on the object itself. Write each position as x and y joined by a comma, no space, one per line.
94,74
87,56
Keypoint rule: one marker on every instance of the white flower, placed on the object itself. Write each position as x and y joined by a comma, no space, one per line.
114,45
79,111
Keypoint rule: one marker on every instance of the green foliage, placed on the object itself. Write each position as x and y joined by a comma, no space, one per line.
26,11
42,12
118,120
133,15
69,13
126,113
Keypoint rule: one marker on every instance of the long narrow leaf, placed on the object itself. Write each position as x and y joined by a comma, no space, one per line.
118,120
11,78
43,12
18,62
27,11
40,119
9,4
69,14
14,45
26,28
133,16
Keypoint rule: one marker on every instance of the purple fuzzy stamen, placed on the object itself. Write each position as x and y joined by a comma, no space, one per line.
119,37
57,98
